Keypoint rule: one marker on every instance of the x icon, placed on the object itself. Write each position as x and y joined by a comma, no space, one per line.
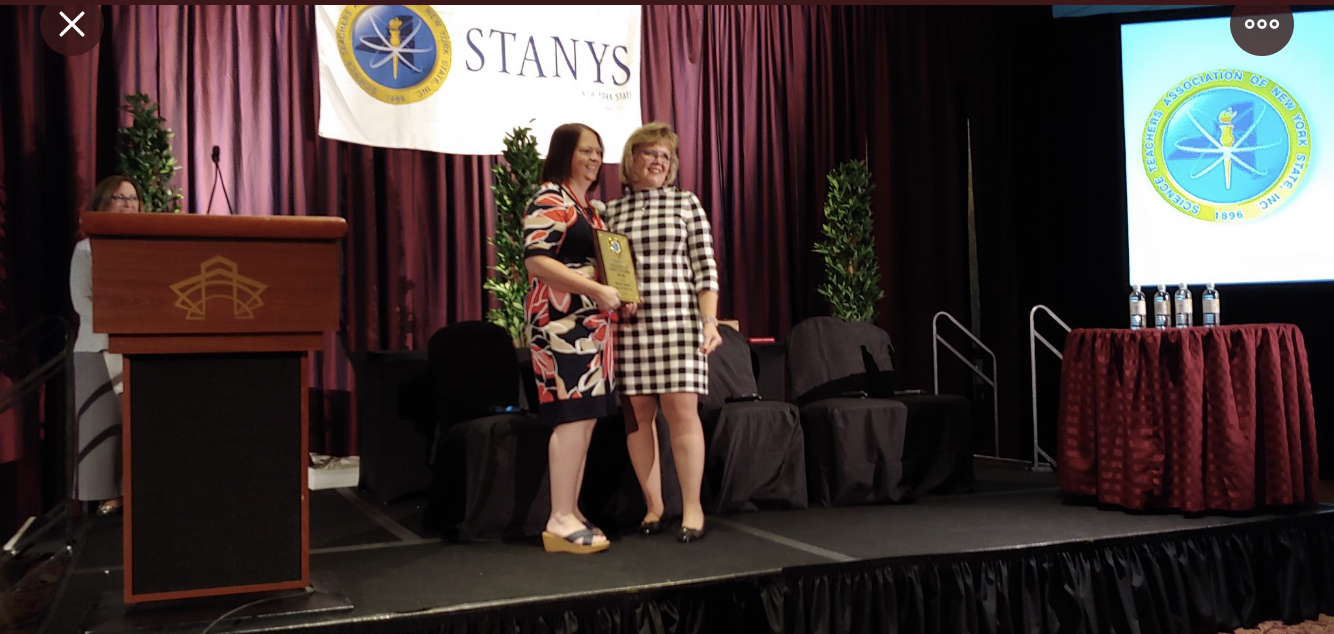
71,29
71,24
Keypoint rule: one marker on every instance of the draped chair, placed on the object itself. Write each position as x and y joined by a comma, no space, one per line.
854,441
489,458
756,454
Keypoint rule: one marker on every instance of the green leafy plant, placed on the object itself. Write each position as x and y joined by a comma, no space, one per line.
517,178
143,153
852,272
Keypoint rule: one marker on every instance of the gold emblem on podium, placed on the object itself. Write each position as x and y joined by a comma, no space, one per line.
217,280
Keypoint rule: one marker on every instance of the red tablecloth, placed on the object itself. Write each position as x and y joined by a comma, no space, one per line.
1193,419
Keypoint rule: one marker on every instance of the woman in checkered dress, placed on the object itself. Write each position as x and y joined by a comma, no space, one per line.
661,344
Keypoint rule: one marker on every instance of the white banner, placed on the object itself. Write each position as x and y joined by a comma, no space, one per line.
457,79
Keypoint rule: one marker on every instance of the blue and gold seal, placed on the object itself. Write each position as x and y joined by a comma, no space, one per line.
398,54
1226,145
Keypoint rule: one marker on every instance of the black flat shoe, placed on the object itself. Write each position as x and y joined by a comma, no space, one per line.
650,528
688,535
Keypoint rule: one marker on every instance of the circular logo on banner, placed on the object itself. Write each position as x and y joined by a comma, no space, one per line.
1226,145
398,54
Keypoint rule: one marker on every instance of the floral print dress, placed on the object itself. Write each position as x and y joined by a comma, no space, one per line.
569,336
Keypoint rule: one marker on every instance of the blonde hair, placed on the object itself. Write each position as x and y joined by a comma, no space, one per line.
649,134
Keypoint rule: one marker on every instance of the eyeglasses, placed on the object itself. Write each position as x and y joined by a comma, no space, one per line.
117,198
653,155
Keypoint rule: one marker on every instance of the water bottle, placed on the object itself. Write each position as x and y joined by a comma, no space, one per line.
1211,306
1162,308
1184,309
1137,308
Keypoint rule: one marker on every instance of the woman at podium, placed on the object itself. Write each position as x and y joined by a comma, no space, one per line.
97,373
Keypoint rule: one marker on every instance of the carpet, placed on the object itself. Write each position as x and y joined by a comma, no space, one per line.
1322,625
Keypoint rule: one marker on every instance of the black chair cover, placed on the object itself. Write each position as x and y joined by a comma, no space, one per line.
731,370
490,479
393,429
756,451
473,371
830,357
490,462
938,448
854,444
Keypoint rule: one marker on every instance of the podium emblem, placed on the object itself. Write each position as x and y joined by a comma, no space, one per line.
218,280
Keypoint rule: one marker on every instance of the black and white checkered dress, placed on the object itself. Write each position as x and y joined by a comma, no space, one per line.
657,350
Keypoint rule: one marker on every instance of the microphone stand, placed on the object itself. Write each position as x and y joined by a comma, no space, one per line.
217,179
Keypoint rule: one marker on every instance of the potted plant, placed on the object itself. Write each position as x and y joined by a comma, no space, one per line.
852,272
517,177
143,153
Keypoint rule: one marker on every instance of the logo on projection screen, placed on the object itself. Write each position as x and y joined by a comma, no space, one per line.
1226,146
398,54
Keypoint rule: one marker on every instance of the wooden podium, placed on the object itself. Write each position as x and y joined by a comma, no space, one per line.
215,315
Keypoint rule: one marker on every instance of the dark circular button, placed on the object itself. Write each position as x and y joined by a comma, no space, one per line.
1261,29
72,29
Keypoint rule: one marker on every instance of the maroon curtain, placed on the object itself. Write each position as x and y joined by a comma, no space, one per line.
766,100
49,152
917,142
758,133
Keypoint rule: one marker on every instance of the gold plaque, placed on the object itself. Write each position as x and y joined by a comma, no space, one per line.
616,264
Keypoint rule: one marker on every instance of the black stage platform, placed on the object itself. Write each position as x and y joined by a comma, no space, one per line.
1010,556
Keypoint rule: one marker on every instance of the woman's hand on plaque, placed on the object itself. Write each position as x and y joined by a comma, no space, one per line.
607,297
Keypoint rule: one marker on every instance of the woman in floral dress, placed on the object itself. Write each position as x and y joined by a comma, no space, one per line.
568,314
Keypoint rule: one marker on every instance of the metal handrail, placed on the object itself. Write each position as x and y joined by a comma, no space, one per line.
1033,337
938,341
33,381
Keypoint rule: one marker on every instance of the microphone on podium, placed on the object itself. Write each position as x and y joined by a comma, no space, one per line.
217,178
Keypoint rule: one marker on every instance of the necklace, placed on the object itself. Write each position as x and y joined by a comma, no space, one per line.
584,207
643,196
582,204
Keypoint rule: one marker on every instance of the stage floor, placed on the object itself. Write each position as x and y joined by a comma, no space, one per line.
387,566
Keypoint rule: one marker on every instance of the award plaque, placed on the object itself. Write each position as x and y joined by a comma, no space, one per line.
616,264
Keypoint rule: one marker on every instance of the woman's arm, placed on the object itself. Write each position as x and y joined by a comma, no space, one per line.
558,276
708,306
705,272
701,244
708,311
81,281
699,247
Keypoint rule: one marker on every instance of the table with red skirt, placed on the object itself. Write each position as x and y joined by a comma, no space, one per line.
1193,419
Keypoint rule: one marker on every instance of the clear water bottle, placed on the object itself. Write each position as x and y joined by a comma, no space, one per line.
1162,308
1211,306
1184,308
1137,308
